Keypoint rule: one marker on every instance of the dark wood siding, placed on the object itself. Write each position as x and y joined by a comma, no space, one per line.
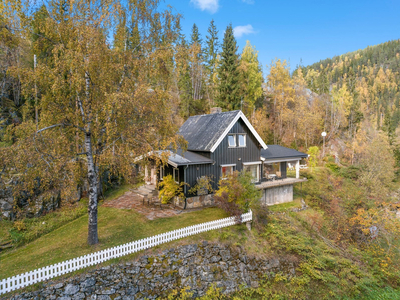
284,169
193,172
224,155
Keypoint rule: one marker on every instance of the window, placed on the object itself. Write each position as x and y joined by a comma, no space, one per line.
232,140
161,172
254,171
176,175
226,170
242,140
271,169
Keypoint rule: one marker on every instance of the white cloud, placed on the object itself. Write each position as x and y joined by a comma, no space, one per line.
209,5
240,31
248,1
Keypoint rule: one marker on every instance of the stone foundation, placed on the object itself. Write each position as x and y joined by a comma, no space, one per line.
277,195
195,202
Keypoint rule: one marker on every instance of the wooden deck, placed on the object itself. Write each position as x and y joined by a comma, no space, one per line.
278,182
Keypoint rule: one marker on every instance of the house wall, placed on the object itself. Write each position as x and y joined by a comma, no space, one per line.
224,155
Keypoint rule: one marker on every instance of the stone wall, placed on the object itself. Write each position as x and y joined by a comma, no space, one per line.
277,194
196,266
196,201
28,206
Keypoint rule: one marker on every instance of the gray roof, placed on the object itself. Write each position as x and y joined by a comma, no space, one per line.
277,152
203,131
186,158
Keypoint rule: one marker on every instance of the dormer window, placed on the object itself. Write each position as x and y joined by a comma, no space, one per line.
242,140
232,140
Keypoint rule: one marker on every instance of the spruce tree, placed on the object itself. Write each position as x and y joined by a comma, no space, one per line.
195,36
212,48
228,97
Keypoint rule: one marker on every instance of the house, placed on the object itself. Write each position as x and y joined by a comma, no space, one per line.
219,144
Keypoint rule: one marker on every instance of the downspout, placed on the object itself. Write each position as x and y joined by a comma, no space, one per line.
185,187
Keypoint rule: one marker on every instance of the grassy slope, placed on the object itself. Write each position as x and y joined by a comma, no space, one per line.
115,227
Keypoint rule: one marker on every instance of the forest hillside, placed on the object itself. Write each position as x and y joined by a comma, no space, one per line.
86,87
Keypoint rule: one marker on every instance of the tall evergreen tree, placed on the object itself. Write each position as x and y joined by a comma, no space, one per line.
211,50
195,36
210,60
228,97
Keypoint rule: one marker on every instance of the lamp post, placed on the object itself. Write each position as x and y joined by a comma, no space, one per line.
323,145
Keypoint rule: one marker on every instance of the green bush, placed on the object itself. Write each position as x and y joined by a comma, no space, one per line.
351,172
170,189
333,167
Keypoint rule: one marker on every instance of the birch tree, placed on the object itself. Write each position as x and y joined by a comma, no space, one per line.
101,106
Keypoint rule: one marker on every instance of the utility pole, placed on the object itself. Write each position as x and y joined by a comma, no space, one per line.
323,145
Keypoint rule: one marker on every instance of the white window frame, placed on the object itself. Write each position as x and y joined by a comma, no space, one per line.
234,138
175,172
258,169
227,166
244,135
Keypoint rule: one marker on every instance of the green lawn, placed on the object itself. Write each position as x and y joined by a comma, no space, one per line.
116,227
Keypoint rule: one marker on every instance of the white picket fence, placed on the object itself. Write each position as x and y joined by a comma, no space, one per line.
32,277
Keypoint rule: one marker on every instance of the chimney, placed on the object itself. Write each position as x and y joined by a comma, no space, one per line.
216,110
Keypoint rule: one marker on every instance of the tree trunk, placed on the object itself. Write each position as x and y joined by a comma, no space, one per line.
93,181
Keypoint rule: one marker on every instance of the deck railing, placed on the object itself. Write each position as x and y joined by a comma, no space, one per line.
42,274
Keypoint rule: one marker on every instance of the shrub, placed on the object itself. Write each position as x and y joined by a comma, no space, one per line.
203,186
351,172
237,193
333,167
260,216
170,189
313,152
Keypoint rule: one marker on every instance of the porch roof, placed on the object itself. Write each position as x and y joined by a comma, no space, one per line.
276,152
187,158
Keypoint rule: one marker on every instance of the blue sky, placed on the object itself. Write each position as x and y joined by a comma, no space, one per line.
296,30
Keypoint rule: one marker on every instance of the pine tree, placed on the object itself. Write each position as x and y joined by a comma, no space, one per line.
228,72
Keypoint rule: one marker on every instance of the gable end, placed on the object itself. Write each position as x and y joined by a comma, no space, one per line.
246,121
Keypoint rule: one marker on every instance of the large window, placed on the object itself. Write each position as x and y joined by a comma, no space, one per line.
272,169
232,140
254,171
242,140
227,170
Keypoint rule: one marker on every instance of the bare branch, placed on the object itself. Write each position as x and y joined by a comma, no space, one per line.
49,127
63,125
